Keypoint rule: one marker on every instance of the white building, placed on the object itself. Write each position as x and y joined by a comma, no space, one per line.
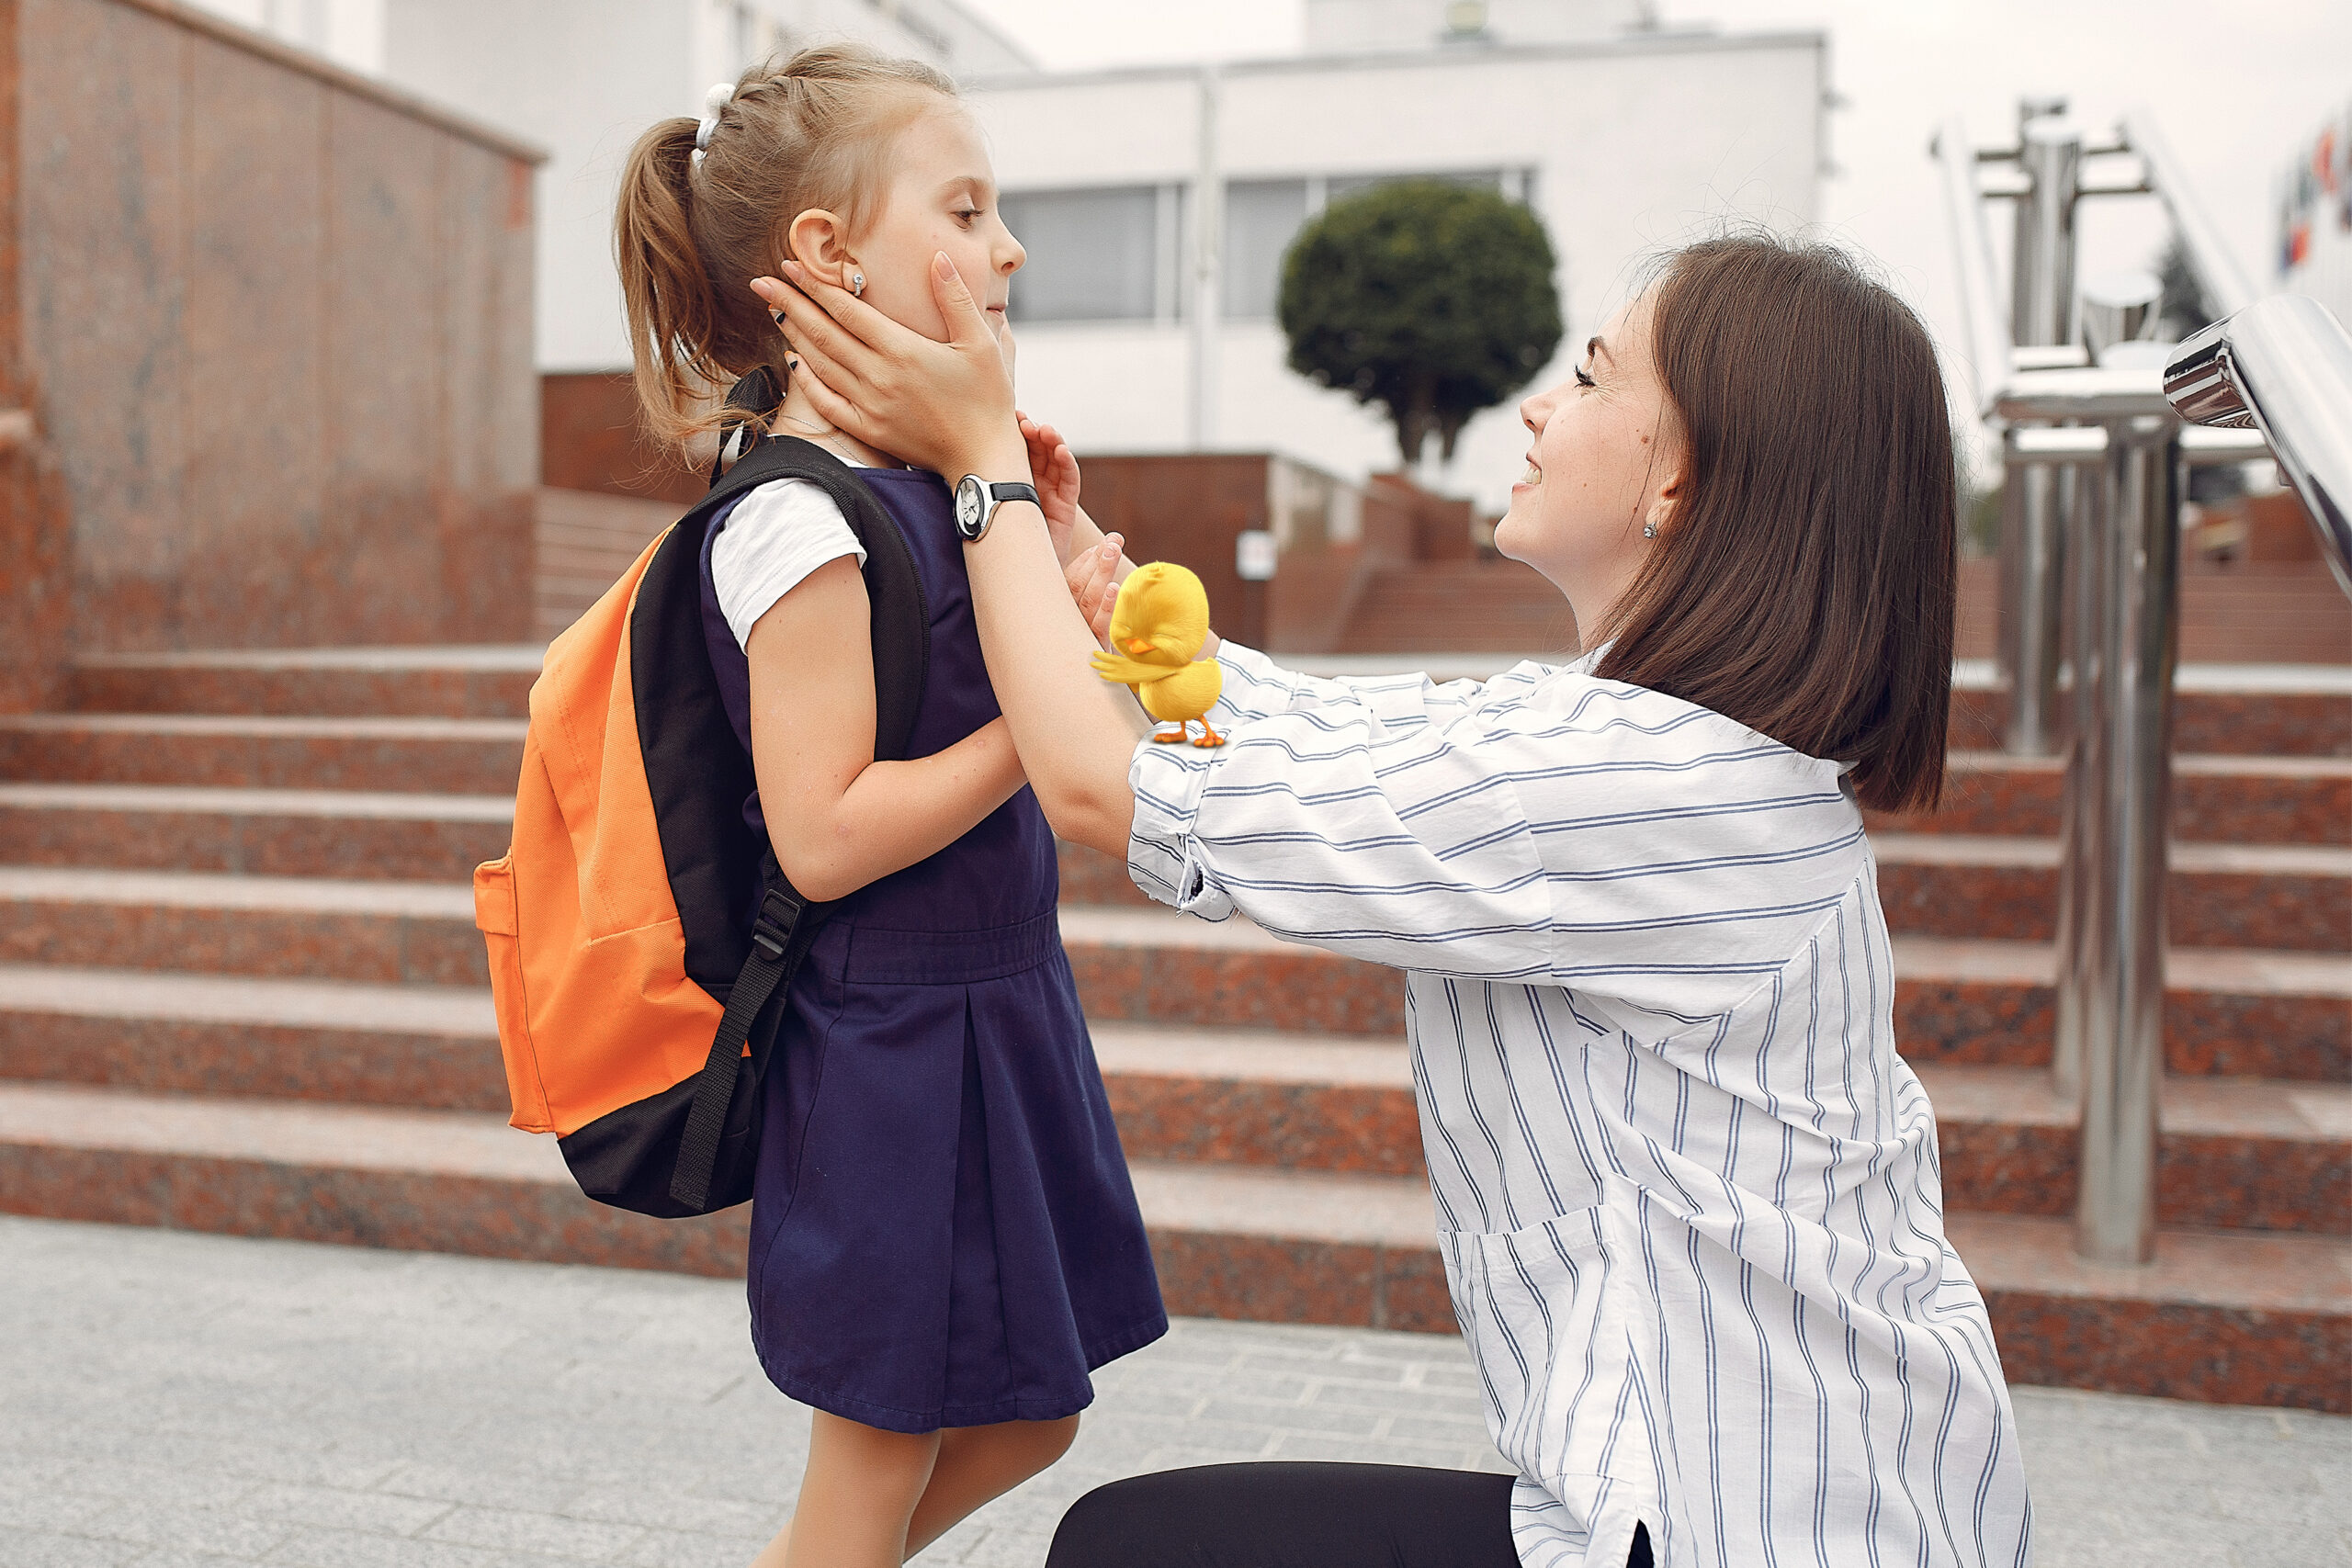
1145,316
1157,203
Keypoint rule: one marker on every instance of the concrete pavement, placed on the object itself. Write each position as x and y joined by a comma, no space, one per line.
173,1399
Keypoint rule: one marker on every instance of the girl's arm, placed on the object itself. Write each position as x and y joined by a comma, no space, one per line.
1074,733
838,818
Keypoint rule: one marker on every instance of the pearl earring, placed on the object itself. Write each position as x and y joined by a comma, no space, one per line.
857,285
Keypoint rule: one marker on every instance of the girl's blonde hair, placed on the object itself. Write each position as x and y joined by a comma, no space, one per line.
689,234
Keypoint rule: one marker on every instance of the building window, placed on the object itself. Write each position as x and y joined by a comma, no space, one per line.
1261,217
1106,254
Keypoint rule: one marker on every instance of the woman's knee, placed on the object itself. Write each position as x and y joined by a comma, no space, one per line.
1133,1523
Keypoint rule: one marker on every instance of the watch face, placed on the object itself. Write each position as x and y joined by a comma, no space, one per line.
968,502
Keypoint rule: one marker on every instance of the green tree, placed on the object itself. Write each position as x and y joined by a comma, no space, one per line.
1434,300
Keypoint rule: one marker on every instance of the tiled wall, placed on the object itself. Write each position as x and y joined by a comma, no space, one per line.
274,327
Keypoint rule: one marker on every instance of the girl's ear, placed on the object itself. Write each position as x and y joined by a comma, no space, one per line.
818,240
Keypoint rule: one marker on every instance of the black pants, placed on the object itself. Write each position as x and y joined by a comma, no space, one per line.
1297,1516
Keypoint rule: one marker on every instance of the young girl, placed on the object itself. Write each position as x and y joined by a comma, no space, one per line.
944,1242
1688,1191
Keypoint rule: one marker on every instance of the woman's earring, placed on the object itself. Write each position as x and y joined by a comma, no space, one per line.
857,285
1649,530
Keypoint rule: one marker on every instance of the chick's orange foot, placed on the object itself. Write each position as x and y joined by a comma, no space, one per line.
1208,737
1183,733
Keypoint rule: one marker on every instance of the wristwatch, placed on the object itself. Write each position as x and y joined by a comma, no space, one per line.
977,500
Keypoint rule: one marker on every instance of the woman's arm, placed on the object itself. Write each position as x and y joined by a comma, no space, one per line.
838,818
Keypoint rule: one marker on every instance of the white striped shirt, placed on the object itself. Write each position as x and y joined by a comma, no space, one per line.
1688,1193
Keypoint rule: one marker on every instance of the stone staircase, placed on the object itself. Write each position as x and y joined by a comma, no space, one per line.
2265,611
241,991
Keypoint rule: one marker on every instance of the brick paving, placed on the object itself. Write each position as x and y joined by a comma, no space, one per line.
173,1399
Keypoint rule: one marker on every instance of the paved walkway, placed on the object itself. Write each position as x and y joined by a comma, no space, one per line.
169,1399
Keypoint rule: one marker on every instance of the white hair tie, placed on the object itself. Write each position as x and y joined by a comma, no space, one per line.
715,103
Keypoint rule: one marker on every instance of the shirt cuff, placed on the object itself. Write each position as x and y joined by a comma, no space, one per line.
1163,858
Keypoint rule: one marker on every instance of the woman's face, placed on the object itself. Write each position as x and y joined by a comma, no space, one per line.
942,197
1606,458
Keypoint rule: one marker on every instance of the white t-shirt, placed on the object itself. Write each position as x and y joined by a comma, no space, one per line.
776,536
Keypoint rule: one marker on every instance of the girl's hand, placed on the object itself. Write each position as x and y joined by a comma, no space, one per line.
943,406
1054,471
1094,578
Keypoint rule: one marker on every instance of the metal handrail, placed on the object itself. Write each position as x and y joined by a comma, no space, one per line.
2219,276
1988,341
2283,367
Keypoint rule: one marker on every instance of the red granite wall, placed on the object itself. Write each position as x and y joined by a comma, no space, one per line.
590,439
273,322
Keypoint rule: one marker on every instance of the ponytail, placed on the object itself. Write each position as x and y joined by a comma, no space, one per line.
672,309
690,233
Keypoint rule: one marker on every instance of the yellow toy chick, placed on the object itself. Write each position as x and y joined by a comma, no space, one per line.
1161,621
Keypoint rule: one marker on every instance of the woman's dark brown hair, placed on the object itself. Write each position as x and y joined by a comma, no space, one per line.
1803,582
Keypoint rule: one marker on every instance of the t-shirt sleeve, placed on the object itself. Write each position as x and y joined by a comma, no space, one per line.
776,537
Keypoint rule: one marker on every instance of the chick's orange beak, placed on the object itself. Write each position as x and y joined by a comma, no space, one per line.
1139,645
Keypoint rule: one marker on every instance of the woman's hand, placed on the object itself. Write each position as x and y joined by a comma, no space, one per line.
1094,578
943,406
1054,471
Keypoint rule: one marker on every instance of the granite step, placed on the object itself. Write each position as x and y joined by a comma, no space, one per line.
2241,1153
2236,1012
1274,1245
2241,709
2219,1316
2248,710
484,681
424,1047
458,756
2215,799
349,834
2292,898
2280,1015
2228,1012
2284,897
372,932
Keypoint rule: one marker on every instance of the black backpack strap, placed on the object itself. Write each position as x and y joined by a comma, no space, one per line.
780,940
901,610
787,923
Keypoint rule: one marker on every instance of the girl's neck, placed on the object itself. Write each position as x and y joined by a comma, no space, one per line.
798,416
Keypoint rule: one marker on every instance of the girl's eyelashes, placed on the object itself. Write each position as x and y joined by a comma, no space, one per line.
966,215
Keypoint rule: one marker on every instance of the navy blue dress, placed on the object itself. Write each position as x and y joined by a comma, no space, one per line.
942,1229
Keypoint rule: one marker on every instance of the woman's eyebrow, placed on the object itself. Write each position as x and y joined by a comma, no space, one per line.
1593,345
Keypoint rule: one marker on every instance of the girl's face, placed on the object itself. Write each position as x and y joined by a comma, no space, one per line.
942,197
1606,459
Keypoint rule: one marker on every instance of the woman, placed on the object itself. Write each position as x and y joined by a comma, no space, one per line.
1688,1191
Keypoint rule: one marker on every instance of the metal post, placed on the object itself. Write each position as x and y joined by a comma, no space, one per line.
2023,246
2041,311
2118,976
1205,241
2079,851
2117,308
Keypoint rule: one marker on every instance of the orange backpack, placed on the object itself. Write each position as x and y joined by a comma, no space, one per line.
641,934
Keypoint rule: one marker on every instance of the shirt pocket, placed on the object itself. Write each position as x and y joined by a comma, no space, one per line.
1559,1316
